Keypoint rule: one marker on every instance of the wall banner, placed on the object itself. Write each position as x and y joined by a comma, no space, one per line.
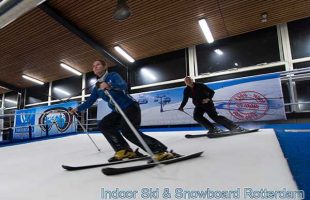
255,98
51,120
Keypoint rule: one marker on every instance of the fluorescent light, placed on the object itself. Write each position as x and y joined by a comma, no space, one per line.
148,73
32,79
206,30
3,88
10,101
13,9
124,54
62,91
218,51
67,67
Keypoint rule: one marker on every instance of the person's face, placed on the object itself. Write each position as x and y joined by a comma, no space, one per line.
98,68
188,81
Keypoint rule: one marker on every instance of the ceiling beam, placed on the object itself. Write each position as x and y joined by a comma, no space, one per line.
78,32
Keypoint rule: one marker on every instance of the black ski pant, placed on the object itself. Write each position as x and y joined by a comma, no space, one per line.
115,128
209,108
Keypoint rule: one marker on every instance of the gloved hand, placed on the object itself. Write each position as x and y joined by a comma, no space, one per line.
103,85
206,100
72,111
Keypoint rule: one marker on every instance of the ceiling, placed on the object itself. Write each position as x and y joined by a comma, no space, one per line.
36,43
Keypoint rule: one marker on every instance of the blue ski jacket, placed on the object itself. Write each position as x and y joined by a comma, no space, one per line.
118,92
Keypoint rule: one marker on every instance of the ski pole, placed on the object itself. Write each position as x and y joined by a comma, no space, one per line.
85,131
134,130
187,114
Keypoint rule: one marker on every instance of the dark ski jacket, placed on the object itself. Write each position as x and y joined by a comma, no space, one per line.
199,92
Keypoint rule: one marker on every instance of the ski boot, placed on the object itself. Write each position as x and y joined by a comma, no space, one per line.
238,129
126,154
164,155
214,131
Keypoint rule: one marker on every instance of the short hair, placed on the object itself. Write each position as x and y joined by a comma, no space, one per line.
188,77
104,63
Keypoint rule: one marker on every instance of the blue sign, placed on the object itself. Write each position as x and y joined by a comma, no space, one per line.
44,120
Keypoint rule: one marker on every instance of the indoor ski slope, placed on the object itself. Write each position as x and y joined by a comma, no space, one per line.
33,170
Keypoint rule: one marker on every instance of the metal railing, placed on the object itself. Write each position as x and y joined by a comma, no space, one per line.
291,77
28,131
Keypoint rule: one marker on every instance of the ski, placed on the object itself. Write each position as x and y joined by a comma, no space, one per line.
219,135
74,168
114,171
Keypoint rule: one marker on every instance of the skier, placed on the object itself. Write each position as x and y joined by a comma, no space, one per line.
113,126
202,99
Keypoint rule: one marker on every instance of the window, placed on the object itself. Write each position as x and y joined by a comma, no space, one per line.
301,65
159,87
165,67
286,95
37,94
9,120
243,74
10,99
90,82
299,33
249,49
66,88
92,112
92,118
303,91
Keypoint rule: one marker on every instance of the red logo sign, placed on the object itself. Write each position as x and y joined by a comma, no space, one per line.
248,105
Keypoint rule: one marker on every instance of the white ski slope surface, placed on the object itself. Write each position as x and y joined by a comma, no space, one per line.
33,171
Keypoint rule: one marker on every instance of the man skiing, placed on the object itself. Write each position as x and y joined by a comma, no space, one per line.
202,99
113,126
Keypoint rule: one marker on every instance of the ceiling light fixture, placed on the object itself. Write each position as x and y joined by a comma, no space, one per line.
67,67
4,88
62,91
206,30
122,11
11,10
219,52
33,80
264,17
124,54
